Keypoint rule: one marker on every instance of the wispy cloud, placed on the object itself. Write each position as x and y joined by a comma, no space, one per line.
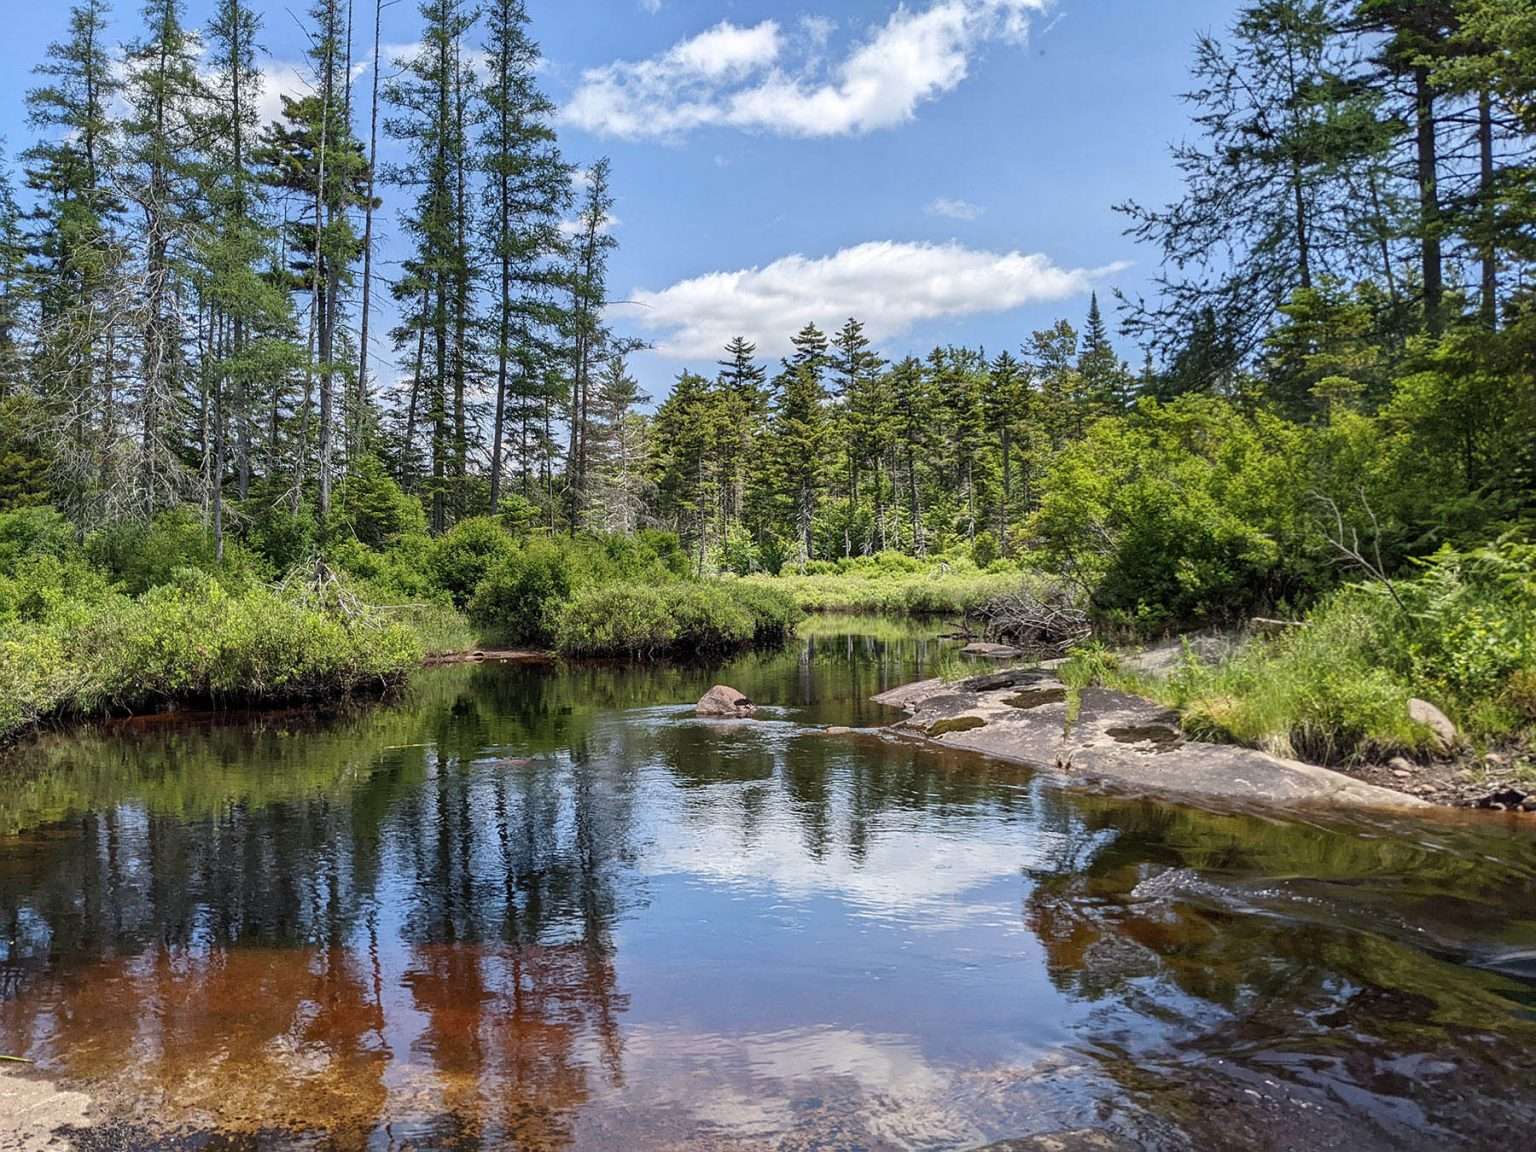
889,285
752,78
952,209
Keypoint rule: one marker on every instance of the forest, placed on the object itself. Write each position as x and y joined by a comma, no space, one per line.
221,478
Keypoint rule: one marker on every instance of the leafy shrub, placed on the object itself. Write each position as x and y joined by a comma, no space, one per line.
617,619
1182,512
739,552
706,618
774,611
1338,688
28,533
519,598
642,619
193,639
461,557
984,550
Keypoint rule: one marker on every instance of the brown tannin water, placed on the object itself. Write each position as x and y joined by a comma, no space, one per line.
547,908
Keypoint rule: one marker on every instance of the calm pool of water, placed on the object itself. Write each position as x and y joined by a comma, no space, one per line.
546,908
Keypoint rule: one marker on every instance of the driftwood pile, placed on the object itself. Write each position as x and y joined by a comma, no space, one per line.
1033,620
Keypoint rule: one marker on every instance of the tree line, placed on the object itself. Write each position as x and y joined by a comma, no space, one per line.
186,301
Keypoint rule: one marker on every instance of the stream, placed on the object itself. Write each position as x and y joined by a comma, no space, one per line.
543,906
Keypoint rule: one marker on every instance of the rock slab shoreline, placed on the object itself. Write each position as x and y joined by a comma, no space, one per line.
1116,739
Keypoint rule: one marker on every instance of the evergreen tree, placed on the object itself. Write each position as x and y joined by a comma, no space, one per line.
618,440
589,298
856,370
526,192
797,440
423,98
164,91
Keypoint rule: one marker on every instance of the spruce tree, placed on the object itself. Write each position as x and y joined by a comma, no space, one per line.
527,190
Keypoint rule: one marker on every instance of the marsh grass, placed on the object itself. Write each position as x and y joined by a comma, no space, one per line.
897,586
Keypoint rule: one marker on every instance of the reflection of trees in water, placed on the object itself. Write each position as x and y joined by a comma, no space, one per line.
1267,951
239,963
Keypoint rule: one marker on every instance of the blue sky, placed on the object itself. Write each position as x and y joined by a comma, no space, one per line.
944,169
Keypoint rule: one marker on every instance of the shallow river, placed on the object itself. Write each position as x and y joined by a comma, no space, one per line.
544,908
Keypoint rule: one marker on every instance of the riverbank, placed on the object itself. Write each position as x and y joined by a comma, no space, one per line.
1104,737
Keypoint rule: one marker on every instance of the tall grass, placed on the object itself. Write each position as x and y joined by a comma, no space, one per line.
894,585
1461,634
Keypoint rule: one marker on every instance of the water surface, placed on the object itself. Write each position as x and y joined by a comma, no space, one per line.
544,907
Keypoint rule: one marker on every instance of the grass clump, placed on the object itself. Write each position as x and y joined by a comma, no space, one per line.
1461,634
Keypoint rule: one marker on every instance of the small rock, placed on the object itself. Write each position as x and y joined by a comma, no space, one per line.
724,701
1528,804
1400,764
1502,800
1494,760
1425,713
838,730
1402,773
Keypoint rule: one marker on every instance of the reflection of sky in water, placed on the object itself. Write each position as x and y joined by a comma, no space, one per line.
538,908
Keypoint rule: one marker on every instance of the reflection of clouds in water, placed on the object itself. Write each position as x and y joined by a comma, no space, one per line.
870,1089
905,861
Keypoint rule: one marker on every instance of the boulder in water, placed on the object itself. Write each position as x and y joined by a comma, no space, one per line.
724,701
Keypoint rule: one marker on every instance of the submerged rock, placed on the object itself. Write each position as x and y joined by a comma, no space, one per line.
724,701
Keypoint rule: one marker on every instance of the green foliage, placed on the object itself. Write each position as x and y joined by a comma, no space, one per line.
984,550
193,639
1463,637
460,558
373,510
618,619
684,618
139,557
1178,512
519,598
708,618
893,583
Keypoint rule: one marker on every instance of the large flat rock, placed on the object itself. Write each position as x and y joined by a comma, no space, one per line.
1118,739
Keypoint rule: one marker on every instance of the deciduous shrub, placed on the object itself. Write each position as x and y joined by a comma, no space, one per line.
1461,634
521,595
461,557
619,619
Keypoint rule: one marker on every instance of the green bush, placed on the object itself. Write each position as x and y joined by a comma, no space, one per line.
1182,512
706,618
774,611
520,597
1463,637
193,639
460,558
619,619
137,556
684,618
372,509
984,550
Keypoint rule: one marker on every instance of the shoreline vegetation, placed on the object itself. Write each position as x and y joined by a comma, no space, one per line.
210,488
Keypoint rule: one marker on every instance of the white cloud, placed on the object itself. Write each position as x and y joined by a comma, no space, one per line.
575,225
890,286
731,76
954,209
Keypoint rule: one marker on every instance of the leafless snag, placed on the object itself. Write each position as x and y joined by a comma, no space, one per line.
1345,540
